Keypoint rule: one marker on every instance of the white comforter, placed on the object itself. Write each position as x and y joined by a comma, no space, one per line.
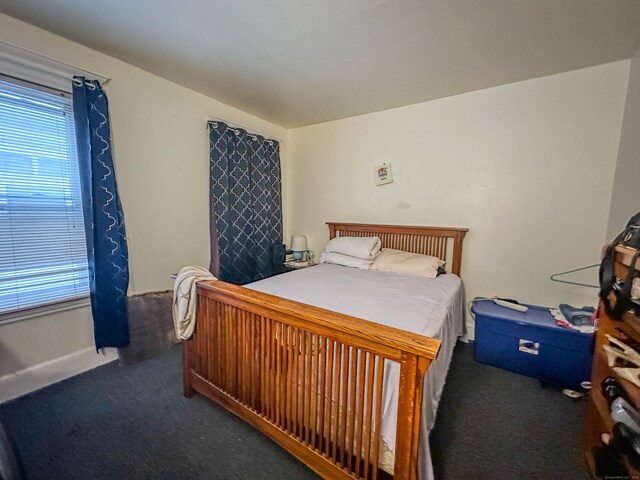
431,307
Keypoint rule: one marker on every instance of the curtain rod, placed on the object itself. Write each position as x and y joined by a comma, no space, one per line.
102,78
211,118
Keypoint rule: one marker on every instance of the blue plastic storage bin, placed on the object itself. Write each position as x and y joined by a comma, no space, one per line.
532,344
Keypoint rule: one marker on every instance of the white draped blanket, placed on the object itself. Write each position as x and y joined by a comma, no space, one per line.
184,299
360,247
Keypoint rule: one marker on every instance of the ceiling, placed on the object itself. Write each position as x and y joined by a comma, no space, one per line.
300,62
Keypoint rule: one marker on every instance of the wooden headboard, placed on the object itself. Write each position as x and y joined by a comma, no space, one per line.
432,241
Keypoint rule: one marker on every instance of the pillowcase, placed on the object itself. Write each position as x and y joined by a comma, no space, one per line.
391,260
345,260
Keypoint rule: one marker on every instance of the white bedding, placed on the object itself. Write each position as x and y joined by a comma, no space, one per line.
431,307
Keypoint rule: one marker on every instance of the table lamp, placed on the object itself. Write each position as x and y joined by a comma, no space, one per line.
298,246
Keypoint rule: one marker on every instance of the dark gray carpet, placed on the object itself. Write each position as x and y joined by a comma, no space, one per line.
499,425
131,422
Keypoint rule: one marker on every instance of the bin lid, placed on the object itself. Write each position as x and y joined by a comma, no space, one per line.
536,316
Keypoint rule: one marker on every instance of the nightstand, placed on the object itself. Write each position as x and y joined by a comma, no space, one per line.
296,265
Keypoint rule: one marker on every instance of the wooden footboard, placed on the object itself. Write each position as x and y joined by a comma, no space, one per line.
309,378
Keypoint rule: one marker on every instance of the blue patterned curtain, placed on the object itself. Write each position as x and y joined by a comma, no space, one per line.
246,203
103,218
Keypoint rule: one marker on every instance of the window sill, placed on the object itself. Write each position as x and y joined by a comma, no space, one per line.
44,310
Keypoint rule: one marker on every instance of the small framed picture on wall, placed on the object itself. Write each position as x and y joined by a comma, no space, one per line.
383,174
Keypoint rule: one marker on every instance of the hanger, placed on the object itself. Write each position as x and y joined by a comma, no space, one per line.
555,276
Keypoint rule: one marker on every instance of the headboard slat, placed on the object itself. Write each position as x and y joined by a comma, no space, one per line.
432,241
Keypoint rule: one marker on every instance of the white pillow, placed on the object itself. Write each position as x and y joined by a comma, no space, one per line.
398,261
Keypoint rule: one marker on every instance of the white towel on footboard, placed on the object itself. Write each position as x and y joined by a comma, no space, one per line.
184,299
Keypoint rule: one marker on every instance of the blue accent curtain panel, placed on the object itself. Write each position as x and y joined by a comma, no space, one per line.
246,203
103,218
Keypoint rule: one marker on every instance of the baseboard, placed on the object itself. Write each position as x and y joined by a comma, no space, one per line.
34,378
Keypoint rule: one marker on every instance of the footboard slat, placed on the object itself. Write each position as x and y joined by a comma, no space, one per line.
359,416
344,395
312,381
328,399
311,400
320,392
368,425
378,401
353,366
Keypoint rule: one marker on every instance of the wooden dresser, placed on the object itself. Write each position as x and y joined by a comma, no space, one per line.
598,413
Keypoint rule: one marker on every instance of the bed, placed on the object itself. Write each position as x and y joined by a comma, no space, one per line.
329,361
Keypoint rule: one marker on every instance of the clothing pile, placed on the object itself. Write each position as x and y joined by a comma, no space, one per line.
582,319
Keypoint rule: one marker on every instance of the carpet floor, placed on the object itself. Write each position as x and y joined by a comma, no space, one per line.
132,422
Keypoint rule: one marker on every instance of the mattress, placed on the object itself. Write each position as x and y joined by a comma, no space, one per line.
431,307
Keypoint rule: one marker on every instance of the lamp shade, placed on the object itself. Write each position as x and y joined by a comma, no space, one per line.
298,243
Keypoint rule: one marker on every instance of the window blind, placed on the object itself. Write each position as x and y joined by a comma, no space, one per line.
43,257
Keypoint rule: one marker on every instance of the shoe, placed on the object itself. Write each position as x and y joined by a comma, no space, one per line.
616,358
626,441
611,389
630,374
622,412
608,463
619,353
622,336
622,346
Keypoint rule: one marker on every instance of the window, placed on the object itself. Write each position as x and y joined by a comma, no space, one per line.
43,256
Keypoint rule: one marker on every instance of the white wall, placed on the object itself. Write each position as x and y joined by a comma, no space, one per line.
625,199
528,167
161,158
